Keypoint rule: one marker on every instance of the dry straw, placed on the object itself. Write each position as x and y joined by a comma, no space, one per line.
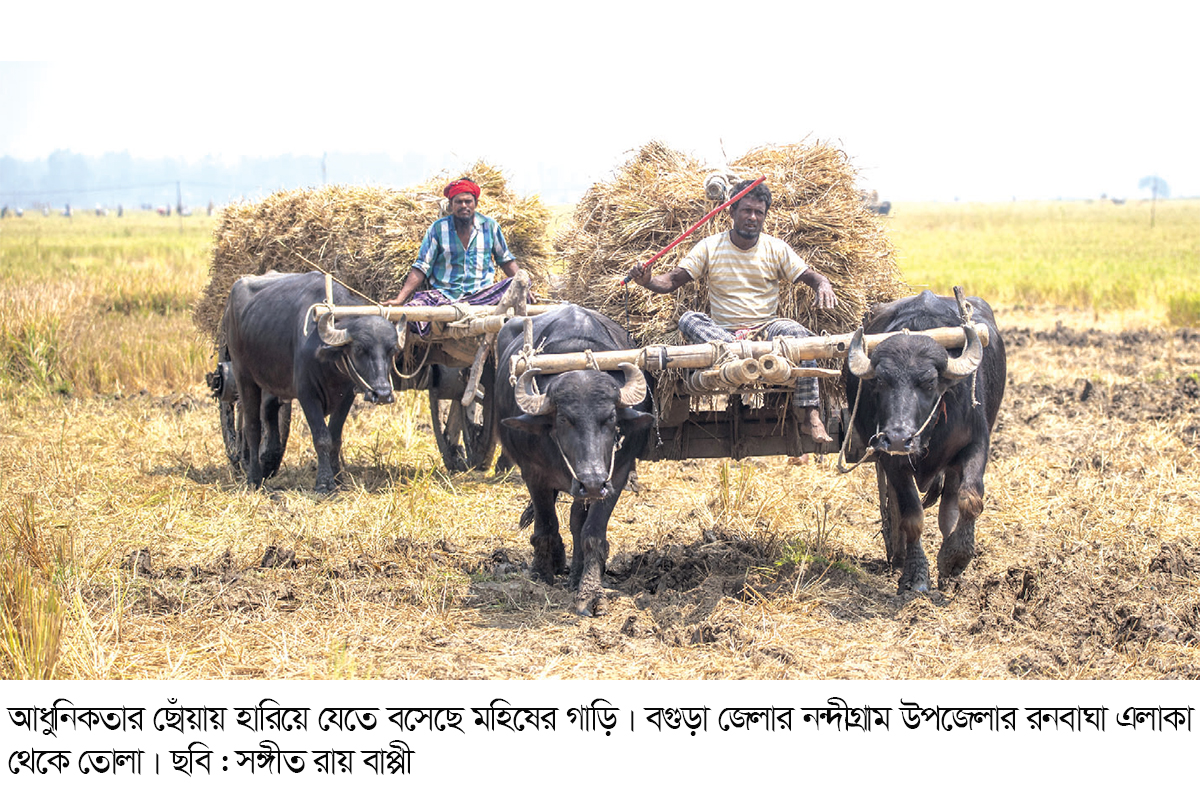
659,193
367,237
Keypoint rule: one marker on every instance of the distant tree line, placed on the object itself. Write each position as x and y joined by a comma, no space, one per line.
112,179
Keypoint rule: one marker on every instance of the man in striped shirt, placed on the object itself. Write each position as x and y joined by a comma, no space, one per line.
459,255
744,267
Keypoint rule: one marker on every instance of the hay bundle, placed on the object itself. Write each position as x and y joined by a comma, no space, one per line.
367,237
658,194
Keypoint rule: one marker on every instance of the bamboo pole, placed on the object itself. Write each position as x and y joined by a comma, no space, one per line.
434,313
703,356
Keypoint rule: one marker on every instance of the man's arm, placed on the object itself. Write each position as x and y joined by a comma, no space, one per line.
510,268
411,283
821,286
663,283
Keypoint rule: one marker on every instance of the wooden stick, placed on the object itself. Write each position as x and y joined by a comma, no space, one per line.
439,313
515,296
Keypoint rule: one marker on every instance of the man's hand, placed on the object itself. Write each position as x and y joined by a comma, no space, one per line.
826,298
822,288
411,283
639,274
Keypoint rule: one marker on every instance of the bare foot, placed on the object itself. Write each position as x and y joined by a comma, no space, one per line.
811,424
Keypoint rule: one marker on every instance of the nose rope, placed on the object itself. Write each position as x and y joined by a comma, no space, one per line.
348,368
612,458
937,405
842,468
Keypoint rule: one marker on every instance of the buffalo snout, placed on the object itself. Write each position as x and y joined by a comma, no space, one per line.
897,441
384,397
591,490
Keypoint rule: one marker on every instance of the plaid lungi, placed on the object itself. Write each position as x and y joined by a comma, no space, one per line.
699,328
433,297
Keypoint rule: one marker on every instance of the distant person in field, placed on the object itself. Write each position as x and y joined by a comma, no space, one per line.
459,256
744,268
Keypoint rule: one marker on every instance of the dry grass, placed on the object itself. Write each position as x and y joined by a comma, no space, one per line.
367,237
659,193
1088,565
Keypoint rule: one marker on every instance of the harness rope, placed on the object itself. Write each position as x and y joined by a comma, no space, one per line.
870,451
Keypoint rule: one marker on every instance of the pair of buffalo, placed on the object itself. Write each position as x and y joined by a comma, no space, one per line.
582,431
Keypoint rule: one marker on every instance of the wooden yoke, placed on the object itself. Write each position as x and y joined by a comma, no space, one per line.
704,356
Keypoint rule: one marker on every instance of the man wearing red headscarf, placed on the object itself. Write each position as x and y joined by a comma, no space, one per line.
459,255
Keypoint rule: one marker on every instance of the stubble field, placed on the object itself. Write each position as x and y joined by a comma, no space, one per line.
130,549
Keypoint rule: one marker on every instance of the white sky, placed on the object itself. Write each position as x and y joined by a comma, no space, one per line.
930,100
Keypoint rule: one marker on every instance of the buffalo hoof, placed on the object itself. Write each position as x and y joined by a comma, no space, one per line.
591,605
916,573
956,553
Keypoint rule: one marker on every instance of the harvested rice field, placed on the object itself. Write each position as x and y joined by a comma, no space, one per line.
165,566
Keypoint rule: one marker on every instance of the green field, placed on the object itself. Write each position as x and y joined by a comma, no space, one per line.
1088,255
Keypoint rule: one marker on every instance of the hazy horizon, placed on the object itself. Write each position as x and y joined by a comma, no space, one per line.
930,101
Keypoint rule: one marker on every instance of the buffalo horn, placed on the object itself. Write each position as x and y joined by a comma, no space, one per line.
634,390
528,398
331,335
857,359
966,364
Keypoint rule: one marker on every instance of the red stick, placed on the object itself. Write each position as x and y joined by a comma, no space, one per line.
694,227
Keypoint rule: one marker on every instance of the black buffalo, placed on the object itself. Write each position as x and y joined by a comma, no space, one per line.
581,433
928,414
279,353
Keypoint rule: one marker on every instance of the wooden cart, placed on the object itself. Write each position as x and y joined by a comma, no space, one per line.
730,400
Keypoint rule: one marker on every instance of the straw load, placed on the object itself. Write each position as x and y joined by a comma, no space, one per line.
366,237
656,196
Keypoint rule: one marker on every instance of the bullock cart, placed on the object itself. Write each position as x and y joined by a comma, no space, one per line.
729,400
450,359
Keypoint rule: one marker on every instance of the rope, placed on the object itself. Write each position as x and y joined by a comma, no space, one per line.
612,458
842,468
420,366
347,366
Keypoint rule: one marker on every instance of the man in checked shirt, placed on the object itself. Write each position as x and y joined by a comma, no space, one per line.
459,255
744,267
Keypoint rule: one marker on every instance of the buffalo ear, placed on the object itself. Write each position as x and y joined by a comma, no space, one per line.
328,353
635,419
947,383
530,423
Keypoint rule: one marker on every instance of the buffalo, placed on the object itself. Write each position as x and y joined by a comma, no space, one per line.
580,433
927,416
277,354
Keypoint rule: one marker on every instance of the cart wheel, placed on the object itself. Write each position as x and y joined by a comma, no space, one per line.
235,445
231,429
465,441
889,520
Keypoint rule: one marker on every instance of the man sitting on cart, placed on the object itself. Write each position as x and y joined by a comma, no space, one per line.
744,267
458,257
